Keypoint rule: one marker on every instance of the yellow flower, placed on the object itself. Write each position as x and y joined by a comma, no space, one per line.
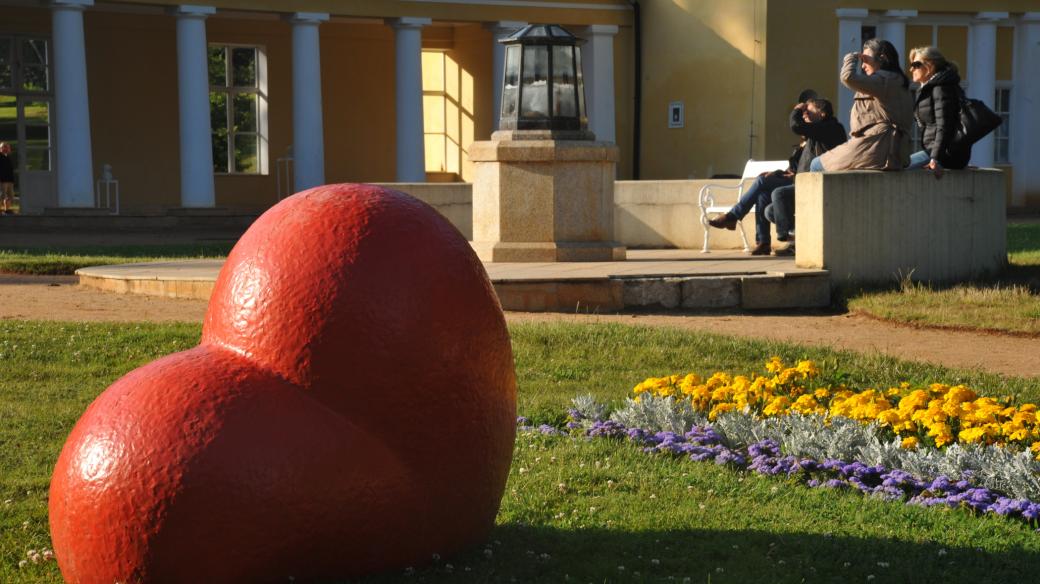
720,408
971,435
910,442
777,407
774,364
808,369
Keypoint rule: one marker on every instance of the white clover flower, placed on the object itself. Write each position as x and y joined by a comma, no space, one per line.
655,562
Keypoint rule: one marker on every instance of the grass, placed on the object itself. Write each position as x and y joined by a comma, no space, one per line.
579,509
1008,303
66,260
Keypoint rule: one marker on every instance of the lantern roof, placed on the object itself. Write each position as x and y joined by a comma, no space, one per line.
542,34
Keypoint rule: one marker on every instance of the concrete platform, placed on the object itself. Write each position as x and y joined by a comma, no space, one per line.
668,279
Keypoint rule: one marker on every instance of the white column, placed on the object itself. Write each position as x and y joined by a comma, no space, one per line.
71,105
1025,111
193,99
499,30
411,151
850,40
597,62
982,75
308,128
893,30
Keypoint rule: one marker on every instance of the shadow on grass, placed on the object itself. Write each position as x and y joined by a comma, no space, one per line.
521,553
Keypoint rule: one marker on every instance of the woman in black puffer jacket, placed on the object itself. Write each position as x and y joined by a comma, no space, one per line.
938,111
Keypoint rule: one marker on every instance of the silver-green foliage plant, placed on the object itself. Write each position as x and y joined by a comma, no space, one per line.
588,409
658,414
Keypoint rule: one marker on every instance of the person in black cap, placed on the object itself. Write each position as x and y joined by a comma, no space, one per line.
818,135
814,121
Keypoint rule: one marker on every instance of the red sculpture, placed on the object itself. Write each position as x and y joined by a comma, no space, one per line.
350,409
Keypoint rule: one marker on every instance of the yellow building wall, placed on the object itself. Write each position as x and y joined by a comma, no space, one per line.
1005,53
132,85
705,54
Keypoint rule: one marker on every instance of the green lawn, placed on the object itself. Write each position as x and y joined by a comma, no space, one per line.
617,507
1010,302
66,260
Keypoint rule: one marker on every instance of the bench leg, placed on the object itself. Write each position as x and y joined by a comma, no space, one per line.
707,230
743,236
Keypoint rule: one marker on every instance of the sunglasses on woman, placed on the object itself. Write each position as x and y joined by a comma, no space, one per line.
916,65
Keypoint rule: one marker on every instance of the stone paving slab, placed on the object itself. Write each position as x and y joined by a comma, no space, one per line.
648,278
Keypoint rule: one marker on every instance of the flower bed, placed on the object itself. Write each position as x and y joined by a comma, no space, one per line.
766,456
937,415
938,445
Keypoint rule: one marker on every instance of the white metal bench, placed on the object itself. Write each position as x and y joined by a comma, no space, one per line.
706,198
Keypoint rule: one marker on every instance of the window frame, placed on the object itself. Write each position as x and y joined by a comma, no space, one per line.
1003,131
230,91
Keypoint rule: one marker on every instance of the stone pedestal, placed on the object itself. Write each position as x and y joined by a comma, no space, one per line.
542,197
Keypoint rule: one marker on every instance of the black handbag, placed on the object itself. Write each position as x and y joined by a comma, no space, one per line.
977,120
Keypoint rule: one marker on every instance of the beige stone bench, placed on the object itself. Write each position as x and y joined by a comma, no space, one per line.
872,226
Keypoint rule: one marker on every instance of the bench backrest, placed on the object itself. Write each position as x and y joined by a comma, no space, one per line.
753,168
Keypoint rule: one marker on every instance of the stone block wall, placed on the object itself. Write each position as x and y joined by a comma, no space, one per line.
873,226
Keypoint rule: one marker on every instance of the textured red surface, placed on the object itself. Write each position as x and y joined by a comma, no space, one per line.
350,408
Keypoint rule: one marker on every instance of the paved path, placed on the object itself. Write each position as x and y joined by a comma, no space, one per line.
59,298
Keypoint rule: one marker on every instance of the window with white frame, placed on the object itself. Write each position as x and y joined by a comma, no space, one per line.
238,108
1002,135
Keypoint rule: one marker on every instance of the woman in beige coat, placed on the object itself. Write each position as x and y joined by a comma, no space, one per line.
882,113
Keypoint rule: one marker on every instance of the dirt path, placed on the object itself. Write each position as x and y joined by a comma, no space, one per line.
60,298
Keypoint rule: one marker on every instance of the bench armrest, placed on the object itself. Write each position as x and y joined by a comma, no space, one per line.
705,198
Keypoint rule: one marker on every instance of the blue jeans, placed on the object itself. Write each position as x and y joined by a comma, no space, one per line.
816,165
783,211
918,160
759,195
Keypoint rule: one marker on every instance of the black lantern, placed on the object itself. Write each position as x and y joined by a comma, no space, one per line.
542,87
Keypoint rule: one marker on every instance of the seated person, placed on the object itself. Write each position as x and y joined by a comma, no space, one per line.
824,133
813,120
938,112
882,113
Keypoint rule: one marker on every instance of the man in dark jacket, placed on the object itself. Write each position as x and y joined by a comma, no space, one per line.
814,120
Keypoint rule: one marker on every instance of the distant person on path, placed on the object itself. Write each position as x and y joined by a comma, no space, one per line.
6,179
882,113
938,111
814,121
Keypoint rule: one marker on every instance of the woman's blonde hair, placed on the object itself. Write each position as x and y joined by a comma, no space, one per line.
935,57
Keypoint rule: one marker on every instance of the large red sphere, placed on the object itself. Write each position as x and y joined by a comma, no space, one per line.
350,409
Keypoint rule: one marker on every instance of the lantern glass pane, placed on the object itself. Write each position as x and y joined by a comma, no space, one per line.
581,82
565,98
511,81
535,76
